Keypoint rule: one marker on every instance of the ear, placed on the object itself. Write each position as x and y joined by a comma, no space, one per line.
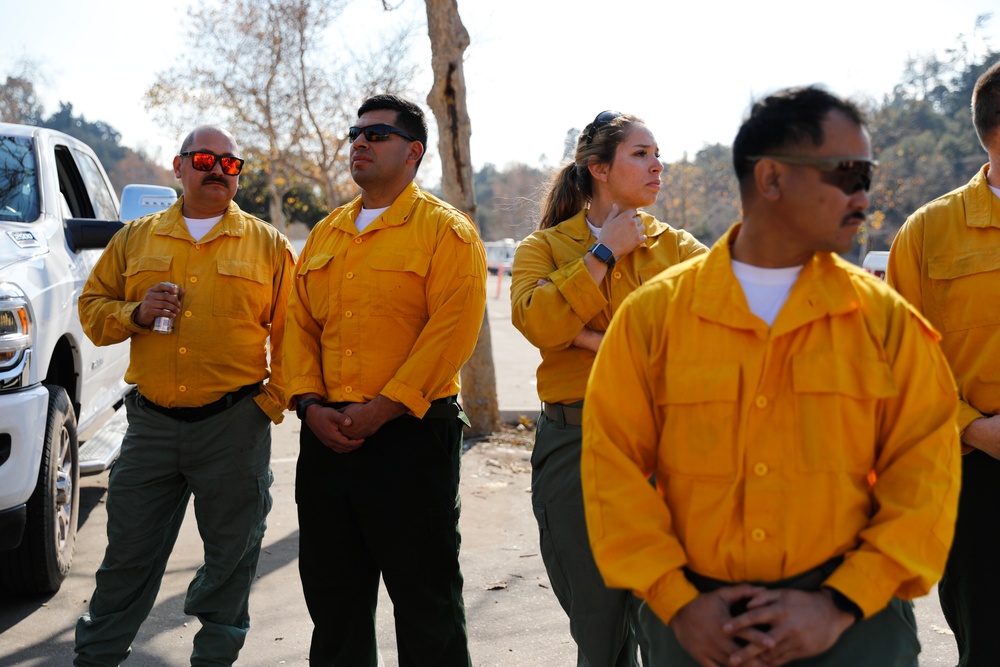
177,166
767,179
416,152
598,170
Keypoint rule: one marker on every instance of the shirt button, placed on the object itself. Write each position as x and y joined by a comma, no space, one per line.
182,388
187,313
357,239
348,353
761,402
183,350
197,246
194,279
348,314
760,469
617,274
348,390
758,535
350,274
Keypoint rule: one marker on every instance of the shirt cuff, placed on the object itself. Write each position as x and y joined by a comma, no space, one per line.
271,407
127,313
670,595
412,398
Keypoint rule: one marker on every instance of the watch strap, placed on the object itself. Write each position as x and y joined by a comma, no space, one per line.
603,253
303,405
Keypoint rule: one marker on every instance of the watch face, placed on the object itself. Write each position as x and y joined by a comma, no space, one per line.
602,252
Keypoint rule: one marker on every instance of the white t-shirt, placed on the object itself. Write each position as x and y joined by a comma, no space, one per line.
367,216
766,290
198,227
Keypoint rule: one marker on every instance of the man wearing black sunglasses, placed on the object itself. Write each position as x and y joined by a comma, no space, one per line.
387,306
946,261
199,289
797,413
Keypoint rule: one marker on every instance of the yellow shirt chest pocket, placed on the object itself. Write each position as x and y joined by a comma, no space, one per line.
398,280
242,290
836,398
699,410
145,272
958,283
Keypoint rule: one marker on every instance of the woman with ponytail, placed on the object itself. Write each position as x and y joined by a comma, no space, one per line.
593,247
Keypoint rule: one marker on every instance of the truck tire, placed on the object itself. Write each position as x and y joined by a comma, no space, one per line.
42,561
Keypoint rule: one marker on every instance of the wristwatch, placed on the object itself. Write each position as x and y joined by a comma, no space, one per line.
303,405
844,603
603,253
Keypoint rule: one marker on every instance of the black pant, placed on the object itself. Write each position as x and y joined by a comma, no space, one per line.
970,587
391,507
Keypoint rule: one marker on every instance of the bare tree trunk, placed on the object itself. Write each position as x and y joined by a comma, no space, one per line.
447,100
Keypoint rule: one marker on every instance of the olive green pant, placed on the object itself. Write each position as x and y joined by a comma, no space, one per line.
224,462
887,639
601,619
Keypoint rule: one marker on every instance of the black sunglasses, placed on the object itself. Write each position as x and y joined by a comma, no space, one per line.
379,132
600,121
205,161
848,174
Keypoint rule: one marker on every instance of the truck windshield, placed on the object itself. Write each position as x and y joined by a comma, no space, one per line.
18,180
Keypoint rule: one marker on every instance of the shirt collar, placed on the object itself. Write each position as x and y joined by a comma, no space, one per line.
171,223
982,207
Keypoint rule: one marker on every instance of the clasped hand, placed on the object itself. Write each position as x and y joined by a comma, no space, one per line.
778,626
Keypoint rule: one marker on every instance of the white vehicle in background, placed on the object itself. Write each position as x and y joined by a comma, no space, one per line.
57,213
876,262
499,255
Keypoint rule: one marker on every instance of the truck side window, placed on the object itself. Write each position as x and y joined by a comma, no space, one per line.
101,199
71,184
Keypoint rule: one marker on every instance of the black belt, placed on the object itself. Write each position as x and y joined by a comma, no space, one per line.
440,408
566,415
810,580
203,412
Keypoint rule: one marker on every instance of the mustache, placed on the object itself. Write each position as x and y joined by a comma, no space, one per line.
854,215
212,178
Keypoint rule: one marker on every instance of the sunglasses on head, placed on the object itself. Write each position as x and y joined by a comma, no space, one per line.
845,173
205,161
600,121
379,132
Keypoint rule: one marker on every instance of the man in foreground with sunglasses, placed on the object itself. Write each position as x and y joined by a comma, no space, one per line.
798,415
946,261
387,306
198,289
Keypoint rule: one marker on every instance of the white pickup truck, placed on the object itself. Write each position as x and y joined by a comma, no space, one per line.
57,212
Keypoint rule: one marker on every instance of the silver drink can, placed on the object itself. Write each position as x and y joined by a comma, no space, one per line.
165,325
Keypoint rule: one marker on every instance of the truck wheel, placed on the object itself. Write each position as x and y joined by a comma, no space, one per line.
42,561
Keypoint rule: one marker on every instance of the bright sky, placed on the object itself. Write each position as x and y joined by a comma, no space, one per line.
536,68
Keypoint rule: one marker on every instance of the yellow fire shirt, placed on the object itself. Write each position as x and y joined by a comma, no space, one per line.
831,433
237,281
552,315
945,261
395,310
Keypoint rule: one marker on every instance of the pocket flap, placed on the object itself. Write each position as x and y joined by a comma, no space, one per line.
702,383
828,372
397,259
149,263
241,269
956,266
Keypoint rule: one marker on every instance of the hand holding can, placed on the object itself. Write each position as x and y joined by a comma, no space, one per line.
164,324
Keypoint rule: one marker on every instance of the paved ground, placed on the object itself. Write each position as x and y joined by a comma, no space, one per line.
513,617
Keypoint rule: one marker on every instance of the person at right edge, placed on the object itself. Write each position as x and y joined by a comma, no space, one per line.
946,262
799,416
592,248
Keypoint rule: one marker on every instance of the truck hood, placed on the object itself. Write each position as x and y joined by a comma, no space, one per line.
19,245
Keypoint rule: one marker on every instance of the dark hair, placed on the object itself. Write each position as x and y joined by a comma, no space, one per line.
986,104
787,118
572,187
409,117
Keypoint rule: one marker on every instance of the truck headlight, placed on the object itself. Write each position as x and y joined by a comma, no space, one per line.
15,326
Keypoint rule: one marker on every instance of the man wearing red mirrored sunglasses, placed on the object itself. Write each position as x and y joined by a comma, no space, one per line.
200,291
798,415
387,306
946,261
